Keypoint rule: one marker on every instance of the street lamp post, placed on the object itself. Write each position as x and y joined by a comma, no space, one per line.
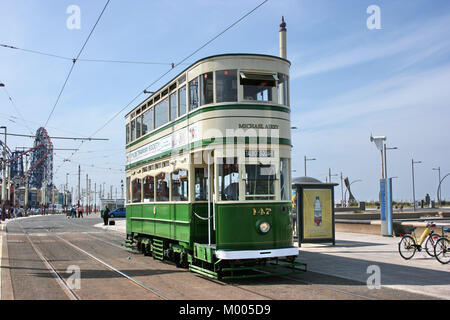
414,191
385,160
439,193
4,175
306,159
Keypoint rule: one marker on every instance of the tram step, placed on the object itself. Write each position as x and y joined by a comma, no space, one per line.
158,249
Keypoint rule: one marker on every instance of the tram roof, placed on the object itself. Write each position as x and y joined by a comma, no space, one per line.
207,58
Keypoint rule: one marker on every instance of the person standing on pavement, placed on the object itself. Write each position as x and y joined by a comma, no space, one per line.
106,215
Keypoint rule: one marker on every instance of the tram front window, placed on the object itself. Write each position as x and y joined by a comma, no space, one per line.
258,87
229,180
260,181
226,85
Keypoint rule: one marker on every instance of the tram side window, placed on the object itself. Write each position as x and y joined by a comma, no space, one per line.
162,187
260,181
283,89
147,121
229,179
173,105
284,178
133,130
136,190
201,184
162,113
206,88
180,185
257,87
182,100
193,94
149,189
226,86
138,127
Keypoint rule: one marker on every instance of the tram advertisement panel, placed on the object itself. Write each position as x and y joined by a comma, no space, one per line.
317,214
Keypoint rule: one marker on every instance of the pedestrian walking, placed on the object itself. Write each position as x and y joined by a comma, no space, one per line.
106,215
73,212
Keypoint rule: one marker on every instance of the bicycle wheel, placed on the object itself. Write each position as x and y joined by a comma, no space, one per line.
430,243
442,250
407,247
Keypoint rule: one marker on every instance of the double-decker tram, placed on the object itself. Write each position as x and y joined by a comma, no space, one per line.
208,168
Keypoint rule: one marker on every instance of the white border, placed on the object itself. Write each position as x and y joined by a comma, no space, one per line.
256,254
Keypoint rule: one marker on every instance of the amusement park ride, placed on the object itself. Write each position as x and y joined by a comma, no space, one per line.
39,172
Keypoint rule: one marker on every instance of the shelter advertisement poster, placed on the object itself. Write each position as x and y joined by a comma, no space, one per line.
317,214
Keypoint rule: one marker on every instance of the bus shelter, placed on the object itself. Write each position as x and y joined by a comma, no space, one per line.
313,210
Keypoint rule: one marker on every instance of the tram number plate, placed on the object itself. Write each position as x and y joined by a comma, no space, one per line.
261,211
258,153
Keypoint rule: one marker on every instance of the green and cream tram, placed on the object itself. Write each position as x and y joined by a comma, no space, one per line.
208,160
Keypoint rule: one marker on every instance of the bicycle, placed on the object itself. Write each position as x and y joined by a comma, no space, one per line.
442,248
409,244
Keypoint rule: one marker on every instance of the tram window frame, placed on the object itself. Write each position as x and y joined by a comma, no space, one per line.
230,169
136,191
257,182
259,85
181,96
193,93
147,193
162,117
149,123
133,130
226,86
206,88
173,105
201,184
138,127
182,185
165,196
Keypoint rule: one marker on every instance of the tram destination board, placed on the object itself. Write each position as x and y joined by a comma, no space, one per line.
259,153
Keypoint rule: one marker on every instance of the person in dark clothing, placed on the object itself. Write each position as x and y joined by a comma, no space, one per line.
106,215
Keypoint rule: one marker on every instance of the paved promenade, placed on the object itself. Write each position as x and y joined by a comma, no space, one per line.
354,253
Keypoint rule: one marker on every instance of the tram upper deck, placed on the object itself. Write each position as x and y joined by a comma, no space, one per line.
224,86
239,100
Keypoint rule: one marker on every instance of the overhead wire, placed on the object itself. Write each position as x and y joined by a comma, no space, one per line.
11,100
74,61
173,66
182,61
85,59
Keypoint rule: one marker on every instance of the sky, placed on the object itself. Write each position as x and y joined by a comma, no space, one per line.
348,81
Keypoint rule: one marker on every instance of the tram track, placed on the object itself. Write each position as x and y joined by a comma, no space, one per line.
66,288
59,237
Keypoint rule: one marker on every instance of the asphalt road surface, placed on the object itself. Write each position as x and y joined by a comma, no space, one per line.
56,258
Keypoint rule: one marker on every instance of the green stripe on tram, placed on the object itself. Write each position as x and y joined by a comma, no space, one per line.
206,142
209,109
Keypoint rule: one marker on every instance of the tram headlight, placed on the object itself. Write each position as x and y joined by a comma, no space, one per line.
264,227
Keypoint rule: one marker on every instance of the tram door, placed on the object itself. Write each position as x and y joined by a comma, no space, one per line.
204,196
